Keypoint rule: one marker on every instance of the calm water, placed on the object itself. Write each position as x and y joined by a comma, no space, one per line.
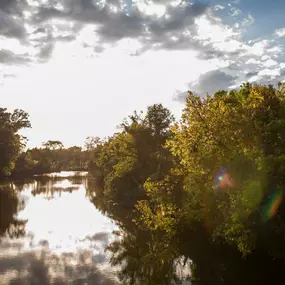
65,235
52,232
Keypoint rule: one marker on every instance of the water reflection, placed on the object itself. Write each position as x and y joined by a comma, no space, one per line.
44,267
189,256
63,235
10,205
51,186
146,259
52,234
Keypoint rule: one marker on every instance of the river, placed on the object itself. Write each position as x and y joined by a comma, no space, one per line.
65,235
52,232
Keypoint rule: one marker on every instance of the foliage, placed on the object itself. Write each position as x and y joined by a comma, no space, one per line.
230,151
209,188
51,158
91,143
123,163
210,185
53,145
11,143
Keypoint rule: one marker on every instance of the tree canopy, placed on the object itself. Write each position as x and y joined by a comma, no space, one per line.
11,142
214,181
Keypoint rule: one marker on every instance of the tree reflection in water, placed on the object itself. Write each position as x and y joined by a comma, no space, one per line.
143,257
188,257
10,205
51,185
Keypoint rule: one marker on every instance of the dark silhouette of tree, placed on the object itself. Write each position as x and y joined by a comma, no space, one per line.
53,145
11,143
9,207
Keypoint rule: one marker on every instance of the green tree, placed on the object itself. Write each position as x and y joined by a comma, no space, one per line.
209,189
123,163
229,153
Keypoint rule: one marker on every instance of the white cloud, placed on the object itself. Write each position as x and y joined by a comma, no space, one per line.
252,61
218,7
258,48
153,9
280,32
215,33
265,57
269,72
249,20
235,11
253,79
275,51
270,63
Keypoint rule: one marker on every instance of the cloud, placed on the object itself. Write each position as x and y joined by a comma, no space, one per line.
48,22
39,25
209,82
10,58
270,62
235,11
251,74
249,20
218,7
280,33
12,6
116,26
11,27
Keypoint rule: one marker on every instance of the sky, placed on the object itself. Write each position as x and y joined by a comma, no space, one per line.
79,67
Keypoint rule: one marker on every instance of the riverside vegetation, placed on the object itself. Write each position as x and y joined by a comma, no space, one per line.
204,194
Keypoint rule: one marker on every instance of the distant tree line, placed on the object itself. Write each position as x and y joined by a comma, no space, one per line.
54,157
15,161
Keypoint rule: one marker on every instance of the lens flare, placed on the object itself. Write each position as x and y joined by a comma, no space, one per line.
272,205
223,179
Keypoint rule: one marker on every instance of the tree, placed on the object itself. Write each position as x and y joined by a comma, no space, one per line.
53,145
229,151
209,188
54,157
122,164
91,143
11,143
159,119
